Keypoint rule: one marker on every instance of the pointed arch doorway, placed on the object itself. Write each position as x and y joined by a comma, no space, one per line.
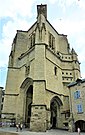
55,111
29,97
27,88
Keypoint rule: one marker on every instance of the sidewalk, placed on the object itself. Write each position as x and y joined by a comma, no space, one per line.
48,132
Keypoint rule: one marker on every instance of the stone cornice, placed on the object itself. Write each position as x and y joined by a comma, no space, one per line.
11,94
57,93
28,51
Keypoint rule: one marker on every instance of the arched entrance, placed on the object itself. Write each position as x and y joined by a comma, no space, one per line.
29,96
55,111
27,88
80,124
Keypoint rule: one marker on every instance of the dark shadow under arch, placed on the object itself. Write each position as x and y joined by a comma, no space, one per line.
57,99
29,99
55,108
80,124
27,89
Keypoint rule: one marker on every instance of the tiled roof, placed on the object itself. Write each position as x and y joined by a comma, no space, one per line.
76,82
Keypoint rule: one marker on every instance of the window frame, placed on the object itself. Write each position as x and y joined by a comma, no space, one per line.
79,108
51,41
77,94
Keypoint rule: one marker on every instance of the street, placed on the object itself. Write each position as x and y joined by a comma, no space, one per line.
48,132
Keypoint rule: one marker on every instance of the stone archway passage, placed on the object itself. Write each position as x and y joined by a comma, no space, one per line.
26,83
27,88
29,97
55,110
80,124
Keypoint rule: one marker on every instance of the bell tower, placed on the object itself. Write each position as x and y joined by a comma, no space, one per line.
39,108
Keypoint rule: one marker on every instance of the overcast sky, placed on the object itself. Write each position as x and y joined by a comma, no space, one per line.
66,16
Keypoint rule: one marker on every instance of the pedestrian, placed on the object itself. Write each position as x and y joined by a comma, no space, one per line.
78,129
21,127
17,127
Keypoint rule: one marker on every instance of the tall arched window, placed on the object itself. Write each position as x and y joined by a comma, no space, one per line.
32,39
55,70
51,41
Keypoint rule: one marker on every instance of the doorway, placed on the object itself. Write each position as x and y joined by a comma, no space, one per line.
80,124
55,111
29,97
53,108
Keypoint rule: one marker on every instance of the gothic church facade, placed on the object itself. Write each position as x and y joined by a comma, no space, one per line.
41,65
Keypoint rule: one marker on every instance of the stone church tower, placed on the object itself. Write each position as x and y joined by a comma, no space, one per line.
41,65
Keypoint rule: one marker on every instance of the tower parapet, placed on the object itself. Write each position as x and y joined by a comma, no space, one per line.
41,23
76,64
42,9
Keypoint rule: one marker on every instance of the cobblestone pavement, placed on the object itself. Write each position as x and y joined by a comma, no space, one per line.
48,132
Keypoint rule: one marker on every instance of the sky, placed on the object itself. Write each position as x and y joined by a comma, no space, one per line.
66,16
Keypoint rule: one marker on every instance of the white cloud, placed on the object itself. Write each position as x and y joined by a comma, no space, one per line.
4,51
69,26
63,3
68,3
81,4
53,1
13,7
80,43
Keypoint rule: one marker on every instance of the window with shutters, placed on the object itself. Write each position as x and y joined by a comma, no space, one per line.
77,94
79,108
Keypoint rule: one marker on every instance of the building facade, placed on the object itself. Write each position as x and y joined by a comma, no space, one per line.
1,99
41,65
77,104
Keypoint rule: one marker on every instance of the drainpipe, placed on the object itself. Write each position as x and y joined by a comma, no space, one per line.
70,100
71,120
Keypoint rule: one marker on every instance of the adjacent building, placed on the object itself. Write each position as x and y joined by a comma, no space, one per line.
77,104
1,99
41,65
